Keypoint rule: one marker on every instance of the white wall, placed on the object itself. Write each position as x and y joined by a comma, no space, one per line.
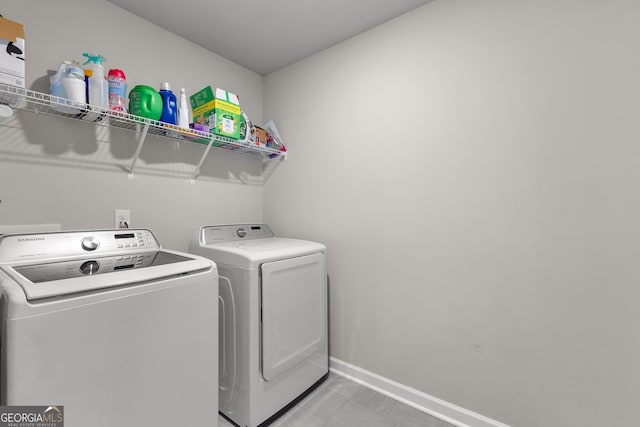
470,165
59,171
473,167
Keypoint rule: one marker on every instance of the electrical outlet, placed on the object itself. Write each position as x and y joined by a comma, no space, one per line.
122,218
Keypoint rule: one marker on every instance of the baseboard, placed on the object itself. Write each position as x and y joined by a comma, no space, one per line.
431,405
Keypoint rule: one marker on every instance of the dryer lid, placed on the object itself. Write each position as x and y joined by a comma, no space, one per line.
248,245
253,253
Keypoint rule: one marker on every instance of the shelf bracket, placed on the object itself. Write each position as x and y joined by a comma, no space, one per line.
269,165
141,139
204,155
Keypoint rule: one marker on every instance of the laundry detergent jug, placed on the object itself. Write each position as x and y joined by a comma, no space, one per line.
145,101
67,89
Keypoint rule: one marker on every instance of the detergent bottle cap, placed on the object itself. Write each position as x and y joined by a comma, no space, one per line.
117,73
165,86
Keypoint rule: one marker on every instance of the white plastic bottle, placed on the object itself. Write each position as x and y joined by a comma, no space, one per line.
98,88
183,110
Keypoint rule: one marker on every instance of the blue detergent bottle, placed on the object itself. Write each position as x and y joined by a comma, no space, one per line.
169,105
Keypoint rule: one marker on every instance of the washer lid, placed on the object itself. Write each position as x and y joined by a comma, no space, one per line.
252,253
54,264
53,279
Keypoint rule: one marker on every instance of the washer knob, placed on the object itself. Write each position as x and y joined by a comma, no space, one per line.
89,267
90,243
241,232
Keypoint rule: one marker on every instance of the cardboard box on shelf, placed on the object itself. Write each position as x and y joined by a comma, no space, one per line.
227,114
202,105
261,136
220,110
12,53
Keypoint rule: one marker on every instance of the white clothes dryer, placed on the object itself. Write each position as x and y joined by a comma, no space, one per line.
110,326
272,317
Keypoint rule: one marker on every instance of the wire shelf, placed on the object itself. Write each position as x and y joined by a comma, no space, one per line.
42,103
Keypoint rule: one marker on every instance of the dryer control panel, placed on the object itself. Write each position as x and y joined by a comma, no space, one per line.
235,232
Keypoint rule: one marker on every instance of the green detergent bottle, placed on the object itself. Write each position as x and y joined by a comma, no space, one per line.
145,101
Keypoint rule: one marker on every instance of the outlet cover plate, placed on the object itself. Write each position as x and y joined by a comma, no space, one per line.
122,218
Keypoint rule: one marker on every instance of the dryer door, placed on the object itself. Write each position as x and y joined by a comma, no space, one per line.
294,312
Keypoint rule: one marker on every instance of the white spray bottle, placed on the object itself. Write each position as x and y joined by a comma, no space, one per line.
183,110
98,89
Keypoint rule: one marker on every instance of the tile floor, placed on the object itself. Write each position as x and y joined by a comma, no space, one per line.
340,402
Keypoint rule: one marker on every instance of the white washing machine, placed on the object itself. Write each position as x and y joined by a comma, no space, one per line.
110,326
272,317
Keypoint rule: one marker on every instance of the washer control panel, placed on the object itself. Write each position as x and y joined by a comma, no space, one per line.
235,232
23,247
135,239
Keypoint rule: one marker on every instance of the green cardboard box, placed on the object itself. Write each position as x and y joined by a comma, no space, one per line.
219,110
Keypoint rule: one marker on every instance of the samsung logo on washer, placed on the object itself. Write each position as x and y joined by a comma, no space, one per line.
29,239
31,416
